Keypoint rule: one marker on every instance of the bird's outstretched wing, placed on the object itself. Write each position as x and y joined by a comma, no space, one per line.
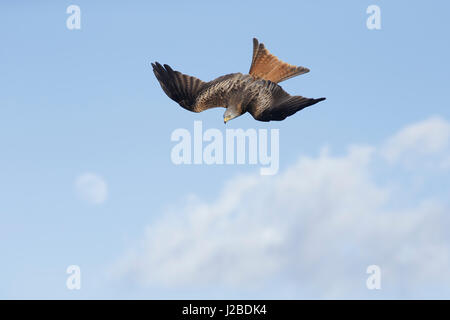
281,105
178,86
268,67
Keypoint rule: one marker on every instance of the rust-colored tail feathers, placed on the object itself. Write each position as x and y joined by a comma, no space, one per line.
266,66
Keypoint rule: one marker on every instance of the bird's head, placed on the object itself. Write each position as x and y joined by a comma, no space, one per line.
231,113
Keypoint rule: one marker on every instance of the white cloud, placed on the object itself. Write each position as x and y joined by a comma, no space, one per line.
425,138
309,232
91,188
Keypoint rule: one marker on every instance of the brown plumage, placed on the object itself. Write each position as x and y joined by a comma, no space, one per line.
257,92
266,66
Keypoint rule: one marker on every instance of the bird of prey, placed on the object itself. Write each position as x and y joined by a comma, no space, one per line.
257,92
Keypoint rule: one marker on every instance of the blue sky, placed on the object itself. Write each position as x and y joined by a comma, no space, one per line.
86,101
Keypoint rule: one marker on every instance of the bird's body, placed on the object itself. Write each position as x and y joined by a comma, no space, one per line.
257,92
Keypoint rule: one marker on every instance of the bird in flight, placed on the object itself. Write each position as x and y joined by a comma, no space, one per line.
257,92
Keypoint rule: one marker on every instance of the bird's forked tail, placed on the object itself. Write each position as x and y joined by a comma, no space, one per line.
268,67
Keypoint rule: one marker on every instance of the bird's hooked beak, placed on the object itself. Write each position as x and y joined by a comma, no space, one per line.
226,119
